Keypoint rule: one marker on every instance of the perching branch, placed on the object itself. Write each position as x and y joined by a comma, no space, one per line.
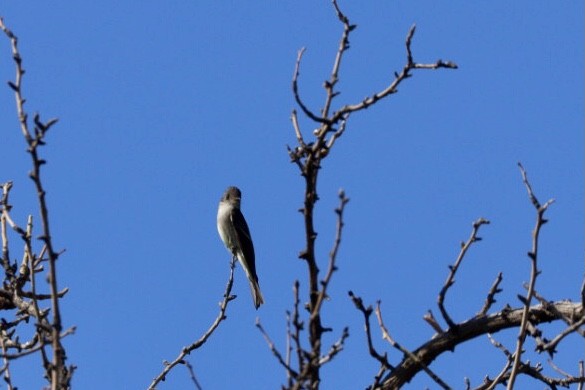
227,298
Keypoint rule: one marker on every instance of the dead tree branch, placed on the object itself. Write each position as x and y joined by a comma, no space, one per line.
533,255
49,330
180,359
453,269
386,336
472,328
525,318
308,157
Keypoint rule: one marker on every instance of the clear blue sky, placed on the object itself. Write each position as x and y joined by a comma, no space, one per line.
164,104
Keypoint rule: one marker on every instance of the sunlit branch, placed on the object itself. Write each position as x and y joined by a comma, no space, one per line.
533,256
227,298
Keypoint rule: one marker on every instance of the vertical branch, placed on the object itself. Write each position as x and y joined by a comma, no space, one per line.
298,326
533,256
453,269
333,254
343,47
308,157
33,284
58,374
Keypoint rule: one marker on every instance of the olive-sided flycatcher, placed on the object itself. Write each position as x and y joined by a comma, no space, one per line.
234,233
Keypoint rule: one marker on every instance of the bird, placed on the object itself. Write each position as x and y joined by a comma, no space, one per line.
235,234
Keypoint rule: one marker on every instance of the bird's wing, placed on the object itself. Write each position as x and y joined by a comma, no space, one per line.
245,240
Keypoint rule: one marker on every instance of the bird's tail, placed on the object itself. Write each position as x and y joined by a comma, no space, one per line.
256,293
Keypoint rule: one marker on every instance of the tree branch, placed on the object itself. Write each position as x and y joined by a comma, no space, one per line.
227,298
477,326
453,269
58,374
533,255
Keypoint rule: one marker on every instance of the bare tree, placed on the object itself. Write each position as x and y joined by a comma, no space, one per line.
302,363
525,318
27,306
21,297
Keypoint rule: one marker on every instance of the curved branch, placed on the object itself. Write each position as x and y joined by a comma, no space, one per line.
295,87
398,78
447,341
227,297
451,278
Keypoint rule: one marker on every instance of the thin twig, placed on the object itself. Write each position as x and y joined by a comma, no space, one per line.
500,377
550,347
533,256
367,312
490,299
227,298
398,79
295,87
275,352
333,254
6,369
288,356
382,359
453,269
343,47
335,347
432,321
298,326
33,345
386,336
192,374
58,374
41,318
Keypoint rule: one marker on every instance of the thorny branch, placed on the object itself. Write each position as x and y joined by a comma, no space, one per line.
48,330
227,298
